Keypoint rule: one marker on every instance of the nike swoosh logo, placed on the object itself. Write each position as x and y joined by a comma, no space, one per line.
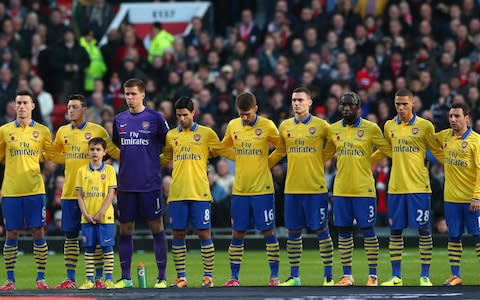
106,241
206,222
157,211
122,125
269,223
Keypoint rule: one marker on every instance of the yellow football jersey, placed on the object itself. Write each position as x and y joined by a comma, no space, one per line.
303,143
409,142
72,143
189,149
250,144
95,185
354,146
461,164
23,148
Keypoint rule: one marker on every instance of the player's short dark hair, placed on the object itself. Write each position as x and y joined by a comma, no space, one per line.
355,99
135,82
303,89
98,141
184,102
25,93
246,101
78,97
404,93
463,106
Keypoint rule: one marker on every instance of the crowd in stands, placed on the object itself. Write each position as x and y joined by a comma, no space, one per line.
372,47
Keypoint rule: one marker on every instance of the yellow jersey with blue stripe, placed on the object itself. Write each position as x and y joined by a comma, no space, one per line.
250,143
72,143
354,145
23,148
95,185
409,142
461,163
189,150
303,142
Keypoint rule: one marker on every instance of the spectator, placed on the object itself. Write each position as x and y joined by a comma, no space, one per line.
45,100
160,40
68,61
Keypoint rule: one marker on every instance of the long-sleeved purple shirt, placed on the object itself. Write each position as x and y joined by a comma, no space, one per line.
140,138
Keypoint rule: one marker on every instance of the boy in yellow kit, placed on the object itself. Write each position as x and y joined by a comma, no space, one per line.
95,185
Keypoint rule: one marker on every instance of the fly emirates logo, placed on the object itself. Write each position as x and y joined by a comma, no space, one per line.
134,139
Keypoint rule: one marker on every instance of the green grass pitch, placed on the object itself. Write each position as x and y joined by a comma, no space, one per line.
255,271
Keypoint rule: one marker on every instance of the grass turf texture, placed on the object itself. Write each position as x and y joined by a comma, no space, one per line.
255,271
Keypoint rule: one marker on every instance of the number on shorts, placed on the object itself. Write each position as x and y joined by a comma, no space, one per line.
371,211
323,215
44,213
206,217
478,220
423,216
158,203
269,215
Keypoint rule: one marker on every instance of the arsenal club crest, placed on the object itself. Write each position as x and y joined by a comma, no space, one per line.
258,131
145,125
312,130
103,176
464,144
197,137
415,130
12,138
338,137
236,137
88,135
360,133
66,141
35,134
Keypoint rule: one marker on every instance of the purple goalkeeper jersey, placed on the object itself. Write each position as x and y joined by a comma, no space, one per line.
140,138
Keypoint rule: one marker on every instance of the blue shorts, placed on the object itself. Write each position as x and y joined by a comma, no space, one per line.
258,210
98,234
197,212
409,210
132,205
303,211
347,209
71,216
24,212
459,216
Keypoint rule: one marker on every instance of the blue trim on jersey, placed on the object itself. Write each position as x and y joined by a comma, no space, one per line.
308,119
357,123
411,122
253,123
100,169
31,124
80,127
465,134
193,128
